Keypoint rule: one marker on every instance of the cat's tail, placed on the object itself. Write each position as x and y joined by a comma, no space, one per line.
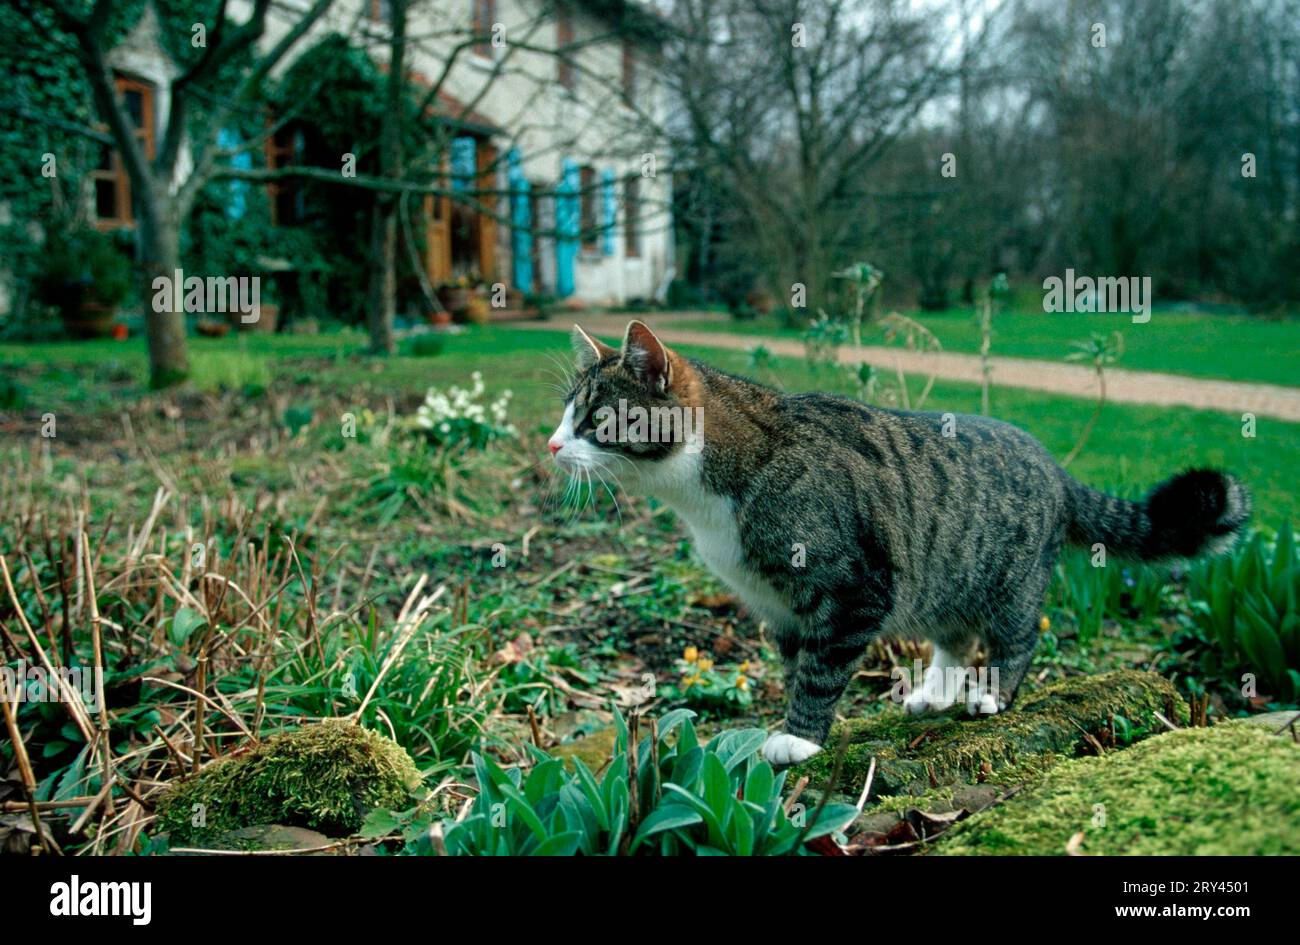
1195,513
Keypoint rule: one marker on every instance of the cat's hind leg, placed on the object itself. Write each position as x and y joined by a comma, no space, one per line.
1011,650
944,680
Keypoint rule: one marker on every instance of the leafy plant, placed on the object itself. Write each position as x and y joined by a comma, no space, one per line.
1090,594
1244,604
666,797
705,684
823,340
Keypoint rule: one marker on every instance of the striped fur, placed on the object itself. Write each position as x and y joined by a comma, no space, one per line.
836,522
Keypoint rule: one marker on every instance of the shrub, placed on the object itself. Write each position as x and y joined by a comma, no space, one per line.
83,264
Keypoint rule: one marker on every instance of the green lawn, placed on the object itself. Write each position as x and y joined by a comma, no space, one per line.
1231,347
1132,447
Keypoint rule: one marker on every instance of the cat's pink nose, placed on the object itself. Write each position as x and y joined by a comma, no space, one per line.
555,447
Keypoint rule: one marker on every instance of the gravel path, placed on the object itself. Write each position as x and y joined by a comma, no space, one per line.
1075,380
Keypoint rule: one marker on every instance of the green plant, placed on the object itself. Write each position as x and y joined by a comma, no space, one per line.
1100,351
458,419
411,472
83,265
1091,594
705,684
670,796
1244,605
428,345
823,340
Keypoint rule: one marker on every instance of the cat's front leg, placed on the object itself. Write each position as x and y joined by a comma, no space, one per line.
818,678
784,748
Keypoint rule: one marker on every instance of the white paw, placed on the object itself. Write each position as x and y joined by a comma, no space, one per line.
785,749
983,702
919,701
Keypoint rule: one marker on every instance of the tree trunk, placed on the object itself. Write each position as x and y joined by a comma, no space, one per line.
383,232
164,325
383,274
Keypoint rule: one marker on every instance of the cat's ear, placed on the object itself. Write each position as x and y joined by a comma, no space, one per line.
645,357
588,349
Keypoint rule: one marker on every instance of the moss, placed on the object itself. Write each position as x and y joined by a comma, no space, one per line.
595,749
323,777
937,800
915,753
1229,790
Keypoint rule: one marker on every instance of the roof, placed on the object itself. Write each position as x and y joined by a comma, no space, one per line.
635,20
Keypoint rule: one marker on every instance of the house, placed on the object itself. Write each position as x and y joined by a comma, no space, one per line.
550,110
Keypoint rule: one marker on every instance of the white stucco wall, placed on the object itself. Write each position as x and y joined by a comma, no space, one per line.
517,90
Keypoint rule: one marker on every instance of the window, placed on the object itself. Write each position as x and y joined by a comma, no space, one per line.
632,217
283,149
587,202
563,40
485,15
629,74
110,180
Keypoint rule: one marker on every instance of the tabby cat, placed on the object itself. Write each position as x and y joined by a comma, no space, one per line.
836,522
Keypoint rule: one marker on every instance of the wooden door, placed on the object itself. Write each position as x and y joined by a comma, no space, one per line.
437,252
489,199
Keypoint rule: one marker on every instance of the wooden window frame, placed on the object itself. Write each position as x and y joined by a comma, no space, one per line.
629,73
565,73
116,171
588,211
632,217
483,14
277,156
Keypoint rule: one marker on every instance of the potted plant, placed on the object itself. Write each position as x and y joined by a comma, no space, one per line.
86,277
454,294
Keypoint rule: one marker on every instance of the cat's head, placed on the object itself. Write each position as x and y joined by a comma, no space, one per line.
628,409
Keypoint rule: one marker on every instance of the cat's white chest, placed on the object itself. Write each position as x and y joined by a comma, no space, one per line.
715,535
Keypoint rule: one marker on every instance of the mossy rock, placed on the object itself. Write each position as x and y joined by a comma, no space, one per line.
917,753
323,777
1230,790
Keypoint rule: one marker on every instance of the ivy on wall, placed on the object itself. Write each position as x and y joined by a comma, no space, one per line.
333,90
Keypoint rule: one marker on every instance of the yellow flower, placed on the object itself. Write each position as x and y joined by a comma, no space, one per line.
1044,624
743,667
742,682
705,664
691,654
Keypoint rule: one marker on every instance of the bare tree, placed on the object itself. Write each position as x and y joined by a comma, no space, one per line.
790,104
164,189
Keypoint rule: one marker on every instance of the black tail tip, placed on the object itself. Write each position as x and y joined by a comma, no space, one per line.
1197,512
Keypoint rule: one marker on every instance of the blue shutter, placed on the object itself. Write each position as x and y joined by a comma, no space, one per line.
464,166
237,205
521,223
567,224
611,209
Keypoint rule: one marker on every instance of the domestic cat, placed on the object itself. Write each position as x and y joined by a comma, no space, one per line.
835,522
